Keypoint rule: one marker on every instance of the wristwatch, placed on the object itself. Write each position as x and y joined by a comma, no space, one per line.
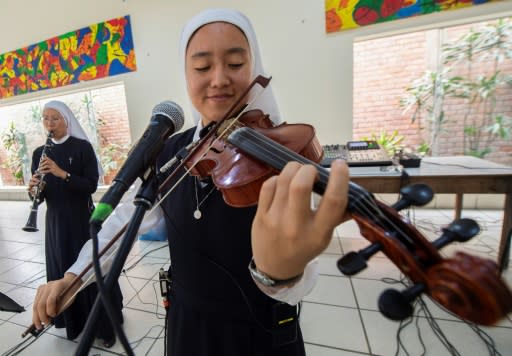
68,175
266,280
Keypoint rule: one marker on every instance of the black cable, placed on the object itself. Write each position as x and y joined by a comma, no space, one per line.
137,294
107,305
418,332
466,167
399,344
422,307
145,336
244,296
165,330
144,255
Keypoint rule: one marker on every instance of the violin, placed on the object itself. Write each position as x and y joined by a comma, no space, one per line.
466,285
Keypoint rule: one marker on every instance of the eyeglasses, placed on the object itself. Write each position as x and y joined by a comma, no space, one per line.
51,118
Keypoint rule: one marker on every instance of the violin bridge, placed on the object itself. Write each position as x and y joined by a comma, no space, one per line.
227,126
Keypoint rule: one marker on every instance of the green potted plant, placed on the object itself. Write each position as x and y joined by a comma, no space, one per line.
13,141
482,122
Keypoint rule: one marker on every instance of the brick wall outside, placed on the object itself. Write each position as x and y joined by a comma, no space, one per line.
110,108
384,67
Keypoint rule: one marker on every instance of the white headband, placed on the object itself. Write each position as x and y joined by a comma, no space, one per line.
266,100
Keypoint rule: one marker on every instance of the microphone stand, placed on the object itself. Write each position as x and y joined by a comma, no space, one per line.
144,200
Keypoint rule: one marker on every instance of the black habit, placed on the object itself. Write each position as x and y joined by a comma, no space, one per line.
215,306
69,206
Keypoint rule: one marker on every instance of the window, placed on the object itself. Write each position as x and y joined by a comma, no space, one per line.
102,112
460,76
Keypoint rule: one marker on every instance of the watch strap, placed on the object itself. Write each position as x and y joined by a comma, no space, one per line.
268,281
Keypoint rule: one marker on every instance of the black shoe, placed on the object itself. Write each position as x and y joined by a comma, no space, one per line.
108,343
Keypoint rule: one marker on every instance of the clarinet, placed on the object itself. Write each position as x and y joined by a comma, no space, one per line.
31,225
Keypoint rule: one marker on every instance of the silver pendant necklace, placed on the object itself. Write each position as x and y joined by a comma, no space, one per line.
197,212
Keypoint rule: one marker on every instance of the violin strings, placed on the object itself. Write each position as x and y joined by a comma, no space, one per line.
365,206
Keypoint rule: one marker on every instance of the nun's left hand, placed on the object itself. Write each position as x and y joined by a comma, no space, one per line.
286,233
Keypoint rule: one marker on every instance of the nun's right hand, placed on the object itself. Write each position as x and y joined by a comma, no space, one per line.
49,302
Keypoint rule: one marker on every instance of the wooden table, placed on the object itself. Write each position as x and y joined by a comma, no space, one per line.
457,175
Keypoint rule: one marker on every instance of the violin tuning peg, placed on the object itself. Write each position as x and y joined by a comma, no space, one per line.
460,230
415,194
354,262
351,263
397,305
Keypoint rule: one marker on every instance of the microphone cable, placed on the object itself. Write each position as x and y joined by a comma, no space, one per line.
104,297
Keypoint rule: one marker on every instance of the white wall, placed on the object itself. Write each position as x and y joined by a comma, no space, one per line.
312,71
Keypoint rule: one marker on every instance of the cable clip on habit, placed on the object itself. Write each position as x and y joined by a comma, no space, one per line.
284,320
165,284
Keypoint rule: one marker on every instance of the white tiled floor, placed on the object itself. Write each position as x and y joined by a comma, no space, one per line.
340,316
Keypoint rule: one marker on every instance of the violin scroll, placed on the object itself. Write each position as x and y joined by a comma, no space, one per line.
466,285
470,287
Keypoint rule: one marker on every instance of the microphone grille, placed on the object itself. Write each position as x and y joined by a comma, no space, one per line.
171,110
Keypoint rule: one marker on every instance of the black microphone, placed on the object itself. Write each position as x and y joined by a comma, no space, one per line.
167,118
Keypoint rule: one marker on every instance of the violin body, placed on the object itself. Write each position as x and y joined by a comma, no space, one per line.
239,176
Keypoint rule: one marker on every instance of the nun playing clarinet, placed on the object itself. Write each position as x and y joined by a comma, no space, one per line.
70,171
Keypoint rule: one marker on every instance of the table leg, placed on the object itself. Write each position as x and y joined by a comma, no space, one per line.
506,230
458,205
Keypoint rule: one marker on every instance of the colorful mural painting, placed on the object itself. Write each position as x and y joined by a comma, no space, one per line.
345,14
93,52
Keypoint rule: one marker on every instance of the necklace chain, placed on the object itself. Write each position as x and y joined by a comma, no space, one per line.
197,212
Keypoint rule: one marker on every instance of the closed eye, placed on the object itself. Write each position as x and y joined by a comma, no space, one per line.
202,69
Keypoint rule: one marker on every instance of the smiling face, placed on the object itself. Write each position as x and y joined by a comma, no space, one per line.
53,121
217,68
